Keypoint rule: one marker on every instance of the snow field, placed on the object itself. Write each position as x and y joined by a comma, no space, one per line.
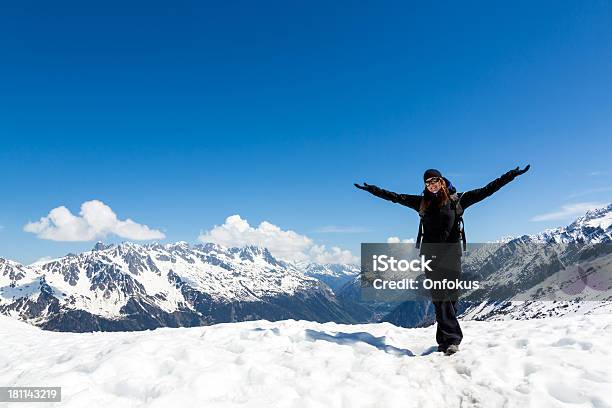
553,362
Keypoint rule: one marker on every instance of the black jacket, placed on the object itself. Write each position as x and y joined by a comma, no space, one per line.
439,223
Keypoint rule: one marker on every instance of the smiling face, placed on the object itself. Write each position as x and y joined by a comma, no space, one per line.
433,184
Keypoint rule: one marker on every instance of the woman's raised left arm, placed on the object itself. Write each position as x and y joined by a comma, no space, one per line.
473,196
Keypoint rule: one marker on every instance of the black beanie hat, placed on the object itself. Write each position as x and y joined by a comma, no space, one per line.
431,173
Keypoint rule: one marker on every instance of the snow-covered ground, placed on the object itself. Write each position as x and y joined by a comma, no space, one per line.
549,362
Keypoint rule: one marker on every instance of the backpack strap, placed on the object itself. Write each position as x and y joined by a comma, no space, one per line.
456,200
419,235
421,228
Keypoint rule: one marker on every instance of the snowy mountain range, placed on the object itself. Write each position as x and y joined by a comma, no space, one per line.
565,270
134,287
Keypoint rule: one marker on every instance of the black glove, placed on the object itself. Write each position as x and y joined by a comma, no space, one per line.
517,172
365,186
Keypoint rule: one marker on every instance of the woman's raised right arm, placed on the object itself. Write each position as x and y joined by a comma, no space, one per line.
409,200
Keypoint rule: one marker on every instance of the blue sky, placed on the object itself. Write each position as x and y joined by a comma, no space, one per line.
179,115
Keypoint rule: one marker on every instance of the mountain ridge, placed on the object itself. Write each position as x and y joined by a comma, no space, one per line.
167,284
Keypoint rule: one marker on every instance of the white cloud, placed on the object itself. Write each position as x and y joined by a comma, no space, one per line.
42,260
319,254
339,229
589,191
96,220
566,211
283,244
396,240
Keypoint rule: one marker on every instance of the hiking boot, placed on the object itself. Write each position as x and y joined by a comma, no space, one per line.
452,349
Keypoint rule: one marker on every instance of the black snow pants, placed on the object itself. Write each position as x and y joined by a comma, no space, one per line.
446,264
448,330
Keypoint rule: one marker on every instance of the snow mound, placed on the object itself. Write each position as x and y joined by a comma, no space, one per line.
546,362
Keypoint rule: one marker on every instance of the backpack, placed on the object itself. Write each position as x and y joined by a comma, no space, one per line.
455,203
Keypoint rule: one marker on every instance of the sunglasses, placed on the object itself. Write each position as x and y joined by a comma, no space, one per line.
432,180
